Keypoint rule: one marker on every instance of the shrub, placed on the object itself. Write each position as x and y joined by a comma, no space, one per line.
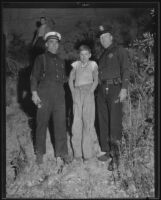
137,149
17,55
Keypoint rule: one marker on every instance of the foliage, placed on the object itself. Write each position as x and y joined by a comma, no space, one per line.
87,32
146,20
17,54
137,148
142,67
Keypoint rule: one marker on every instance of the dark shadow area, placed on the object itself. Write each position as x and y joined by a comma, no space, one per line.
24,98
38,24
96,118
24,90
69,108
68,98
68,102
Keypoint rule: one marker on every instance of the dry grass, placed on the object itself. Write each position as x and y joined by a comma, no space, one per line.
136,171
135,177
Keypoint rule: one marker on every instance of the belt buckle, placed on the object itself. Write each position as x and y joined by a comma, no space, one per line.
106,90
106,87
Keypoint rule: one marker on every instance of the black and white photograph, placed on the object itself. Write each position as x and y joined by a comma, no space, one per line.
81,97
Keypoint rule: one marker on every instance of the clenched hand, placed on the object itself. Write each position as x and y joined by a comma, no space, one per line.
123,95
35,98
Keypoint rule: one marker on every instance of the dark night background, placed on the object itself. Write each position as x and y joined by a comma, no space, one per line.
136,28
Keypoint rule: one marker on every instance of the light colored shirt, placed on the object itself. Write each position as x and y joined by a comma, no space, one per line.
84,73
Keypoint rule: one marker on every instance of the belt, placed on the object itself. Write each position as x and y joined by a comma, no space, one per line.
114,81
107,81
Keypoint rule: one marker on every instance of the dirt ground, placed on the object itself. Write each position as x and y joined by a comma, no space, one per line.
25,179
90,179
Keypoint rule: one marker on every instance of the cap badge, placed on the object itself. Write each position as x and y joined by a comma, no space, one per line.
110,55
101,28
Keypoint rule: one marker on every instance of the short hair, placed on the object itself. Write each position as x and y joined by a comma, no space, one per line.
43,18
84,48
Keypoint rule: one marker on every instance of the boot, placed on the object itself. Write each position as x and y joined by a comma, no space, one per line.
67,159
114,163
104,157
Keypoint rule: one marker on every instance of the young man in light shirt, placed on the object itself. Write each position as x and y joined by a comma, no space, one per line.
83,81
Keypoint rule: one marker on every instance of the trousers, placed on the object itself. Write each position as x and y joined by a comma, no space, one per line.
52,105
109,116
84,138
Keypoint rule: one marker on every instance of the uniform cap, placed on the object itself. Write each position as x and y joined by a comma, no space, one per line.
105,29
52,35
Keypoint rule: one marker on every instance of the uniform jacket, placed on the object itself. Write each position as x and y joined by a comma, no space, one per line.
114,63
48,71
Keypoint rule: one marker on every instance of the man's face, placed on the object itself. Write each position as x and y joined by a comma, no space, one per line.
106,40
43,20
52,45
84,56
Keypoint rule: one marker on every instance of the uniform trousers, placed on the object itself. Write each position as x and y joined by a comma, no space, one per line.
53,105
84,138
109,116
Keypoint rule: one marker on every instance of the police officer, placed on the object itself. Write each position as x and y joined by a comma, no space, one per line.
112,91
47,79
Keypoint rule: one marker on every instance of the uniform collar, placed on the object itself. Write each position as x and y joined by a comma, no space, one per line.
111,48
51,54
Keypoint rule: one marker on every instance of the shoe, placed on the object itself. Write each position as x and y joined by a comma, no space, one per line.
39,159
104,157
114,164
67,159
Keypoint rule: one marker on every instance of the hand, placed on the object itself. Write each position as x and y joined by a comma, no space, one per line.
35,98
73,94
123,95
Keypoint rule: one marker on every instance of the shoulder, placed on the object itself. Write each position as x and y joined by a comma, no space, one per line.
93,65
75,64
41,27
122,49
122,53
60,59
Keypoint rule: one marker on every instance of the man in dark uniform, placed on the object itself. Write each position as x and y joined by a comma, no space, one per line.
47,80
112,91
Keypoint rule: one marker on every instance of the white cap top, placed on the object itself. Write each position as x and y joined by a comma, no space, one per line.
52,35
